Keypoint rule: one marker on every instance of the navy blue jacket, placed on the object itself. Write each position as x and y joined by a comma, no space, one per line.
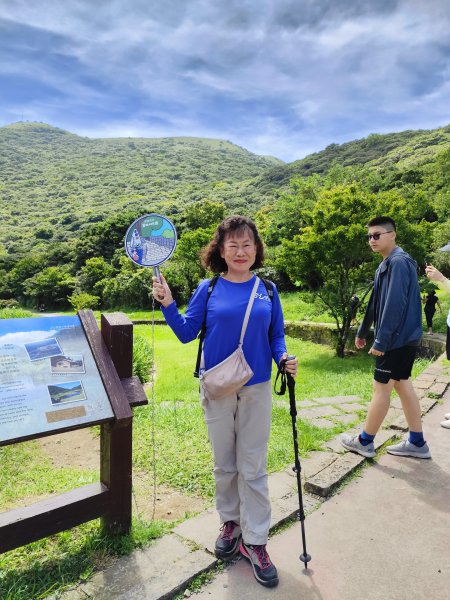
394,306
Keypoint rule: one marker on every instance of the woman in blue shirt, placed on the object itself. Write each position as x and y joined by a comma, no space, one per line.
239,424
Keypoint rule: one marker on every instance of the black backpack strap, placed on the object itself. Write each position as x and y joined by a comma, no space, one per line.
269,288
201,335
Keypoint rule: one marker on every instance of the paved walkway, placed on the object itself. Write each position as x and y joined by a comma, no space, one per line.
384,536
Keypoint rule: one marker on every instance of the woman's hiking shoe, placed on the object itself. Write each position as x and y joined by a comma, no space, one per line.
352,443
263,568
227,544
406,448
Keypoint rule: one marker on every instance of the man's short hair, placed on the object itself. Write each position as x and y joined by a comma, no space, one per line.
382,222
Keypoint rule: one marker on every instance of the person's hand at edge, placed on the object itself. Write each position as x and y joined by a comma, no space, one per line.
360,343
433,273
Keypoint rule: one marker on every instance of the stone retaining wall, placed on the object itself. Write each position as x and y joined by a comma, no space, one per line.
432,345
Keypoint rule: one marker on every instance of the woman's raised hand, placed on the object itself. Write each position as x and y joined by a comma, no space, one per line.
161,291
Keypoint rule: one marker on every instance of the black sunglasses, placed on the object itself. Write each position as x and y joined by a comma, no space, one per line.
376,236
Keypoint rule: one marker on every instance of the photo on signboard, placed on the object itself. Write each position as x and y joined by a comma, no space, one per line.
43,349
67,364
70,391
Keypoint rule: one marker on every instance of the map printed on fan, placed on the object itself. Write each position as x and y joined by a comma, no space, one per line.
150,240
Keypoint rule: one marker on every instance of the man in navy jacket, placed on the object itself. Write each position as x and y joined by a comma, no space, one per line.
395,310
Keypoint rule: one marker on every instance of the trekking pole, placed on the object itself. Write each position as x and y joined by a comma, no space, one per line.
287,378
305,557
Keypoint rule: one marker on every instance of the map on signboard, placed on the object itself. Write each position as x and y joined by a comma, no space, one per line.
48,378
150,240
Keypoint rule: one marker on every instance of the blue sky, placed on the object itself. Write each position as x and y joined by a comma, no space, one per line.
279,77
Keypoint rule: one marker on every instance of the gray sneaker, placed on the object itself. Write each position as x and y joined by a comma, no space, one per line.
406,448
352,443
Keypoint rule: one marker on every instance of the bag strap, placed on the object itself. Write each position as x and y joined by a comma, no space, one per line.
247,312
202,333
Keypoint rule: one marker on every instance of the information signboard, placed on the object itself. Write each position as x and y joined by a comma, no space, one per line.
49,380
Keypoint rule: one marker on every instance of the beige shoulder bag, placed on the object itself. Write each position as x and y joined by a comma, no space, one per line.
232,373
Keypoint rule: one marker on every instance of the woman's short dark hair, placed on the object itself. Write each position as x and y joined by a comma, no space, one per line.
235,224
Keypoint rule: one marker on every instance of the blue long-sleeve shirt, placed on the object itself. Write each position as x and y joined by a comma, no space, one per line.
225,312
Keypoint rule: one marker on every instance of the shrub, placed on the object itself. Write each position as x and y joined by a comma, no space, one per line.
14,313
9,303
142,358
83,300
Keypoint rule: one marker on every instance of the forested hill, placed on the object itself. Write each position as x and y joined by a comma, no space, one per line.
52,178
54,184
399,151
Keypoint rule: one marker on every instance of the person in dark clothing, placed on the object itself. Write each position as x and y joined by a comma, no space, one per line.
354,303
430,302
395,310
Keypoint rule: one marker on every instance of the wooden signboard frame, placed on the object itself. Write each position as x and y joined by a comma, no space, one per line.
110,498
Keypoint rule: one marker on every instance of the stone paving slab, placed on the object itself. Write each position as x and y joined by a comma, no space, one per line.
346,419
157,572
318,411
313,464
438,389
396,403
353,407
149,574
337,399
424,376
322,423
427,404
421,384
392,414
400,423
324,483
420,393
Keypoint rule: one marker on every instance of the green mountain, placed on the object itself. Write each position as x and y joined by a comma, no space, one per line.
53,182
403,151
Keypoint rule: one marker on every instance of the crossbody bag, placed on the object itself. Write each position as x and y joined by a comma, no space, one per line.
234,371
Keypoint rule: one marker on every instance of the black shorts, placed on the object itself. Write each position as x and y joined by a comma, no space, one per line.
448,343
395,364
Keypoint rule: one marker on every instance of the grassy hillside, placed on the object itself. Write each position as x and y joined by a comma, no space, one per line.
51,179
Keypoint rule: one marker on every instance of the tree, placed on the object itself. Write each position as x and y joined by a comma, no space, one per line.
130,287
204,214
330,254
185,270
52,286
83,300
92,277
284,220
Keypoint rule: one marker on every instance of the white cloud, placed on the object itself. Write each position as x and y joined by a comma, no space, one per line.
25,337
268,71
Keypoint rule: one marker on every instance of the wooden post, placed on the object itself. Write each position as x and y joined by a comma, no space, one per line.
116,440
